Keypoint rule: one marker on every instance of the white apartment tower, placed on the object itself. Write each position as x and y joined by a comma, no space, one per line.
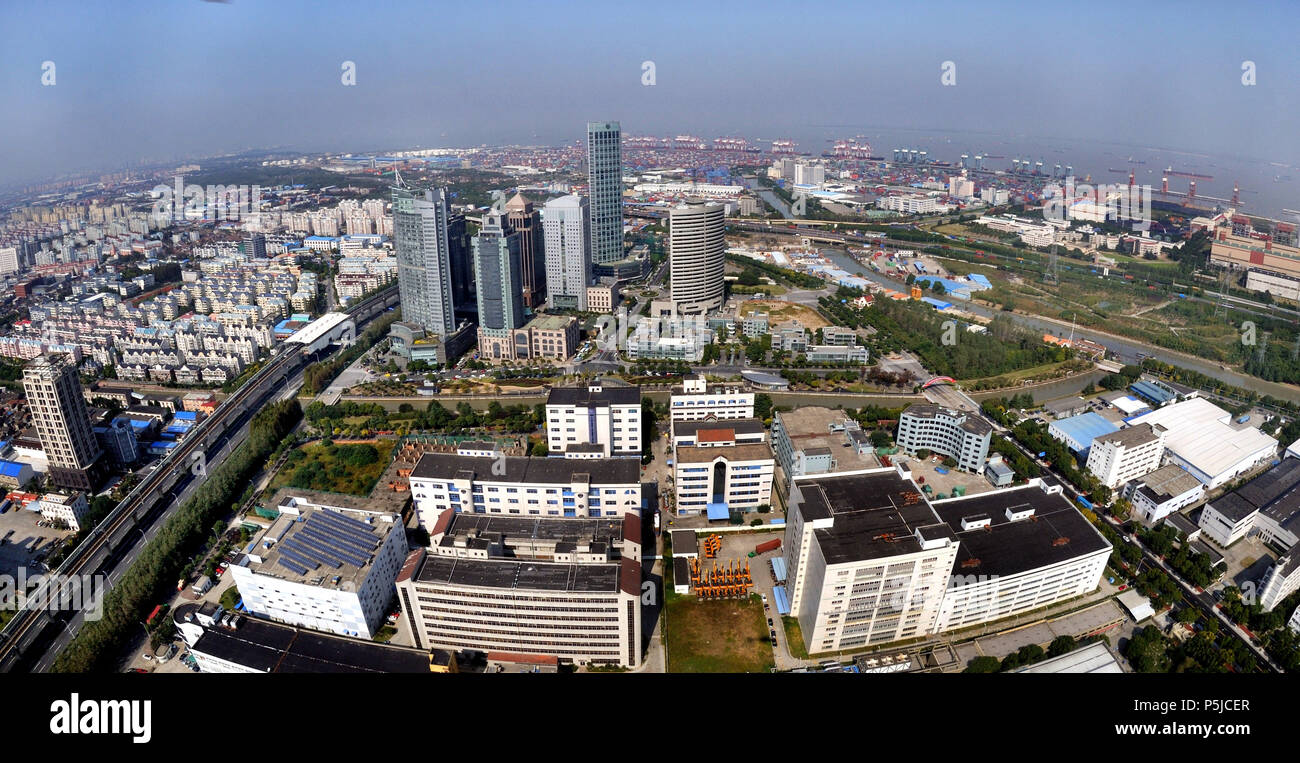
697,250
62,421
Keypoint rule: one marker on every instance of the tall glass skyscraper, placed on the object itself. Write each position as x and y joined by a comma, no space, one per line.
497,273
424,275
566,228
605,190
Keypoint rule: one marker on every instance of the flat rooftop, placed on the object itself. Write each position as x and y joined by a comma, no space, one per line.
558,471
1055,533
321,547
585,396
970,422
738,426
1200,434
276,648
515,530
876,514
809,429
1167,482
511,574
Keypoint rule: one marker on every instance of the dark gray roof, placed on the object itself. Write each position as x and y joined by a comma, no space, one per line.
875,515
584,396
277,648
523,469
512,529
741,426
1055,533
514,574
971,422
1129,437
1276,493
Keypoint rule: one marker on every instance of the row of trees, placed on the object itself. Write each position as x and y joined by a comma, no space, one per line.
434,418
153,575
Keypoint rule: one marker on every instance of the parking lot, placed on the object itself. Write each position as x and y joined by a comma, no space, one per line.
26,542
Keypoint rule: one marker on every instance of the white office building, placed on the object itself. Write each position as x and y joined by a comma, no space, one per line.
323,567
696,399
566,235
496,485
720,474
961,435
596,420
1162,492
1119,457
70,509
871,561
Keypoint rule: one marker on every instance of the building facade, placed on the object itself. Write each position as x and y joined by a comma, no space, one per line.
697,400
963,436
62,421
595,419
498,276
697,251
605,188
525,220
1125,455
523,487
566,232
424,259
323,567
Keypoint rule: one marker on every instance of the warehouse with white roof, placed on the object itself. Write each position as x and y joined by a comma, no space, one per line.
1200,438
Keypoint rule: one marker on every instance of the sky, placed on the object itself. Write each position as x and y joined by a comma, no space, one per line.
160,81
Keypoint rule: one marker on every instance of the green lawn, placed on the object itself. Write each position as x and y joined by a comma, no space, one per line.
343,468
728,636
794,637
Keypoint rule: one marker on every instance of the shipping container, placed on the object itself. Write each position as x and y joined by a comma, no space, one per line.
766,546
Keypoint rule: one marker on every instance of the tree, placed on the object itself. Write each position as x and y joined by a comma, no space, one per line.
984,664
1061,645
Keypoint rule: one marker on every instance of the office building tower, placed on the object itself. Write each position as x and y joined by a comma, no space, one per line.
697,250
59,412
424,259
9,260
462,263
566,226
594,421
605,189
525,220
497,275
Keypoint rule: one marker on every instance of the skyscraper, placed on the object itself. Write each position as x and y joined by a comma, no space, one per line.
424,259
605,189
500,301
697,251
62,421
462,263
566,229
527,222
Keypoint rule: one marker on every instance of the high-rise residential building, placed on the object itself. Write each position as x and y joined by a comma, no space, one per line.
566,228
255,246
497,275
525,220
9,260
697,250
605,188
424,259
62,421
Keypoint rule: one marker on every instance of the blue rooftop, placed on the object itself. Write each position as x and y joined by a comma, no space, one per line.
718,511
1153,391
1085,428
11,469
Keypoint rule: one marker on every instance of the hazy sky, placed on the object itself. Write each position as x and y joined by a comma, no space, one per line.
160,80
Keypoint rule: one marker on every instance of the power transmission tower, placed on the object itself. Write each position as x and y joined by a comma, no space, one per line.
1049,274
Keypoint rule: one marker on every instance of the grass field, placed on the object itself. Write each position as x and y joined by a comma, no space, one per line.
343,468
727,636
